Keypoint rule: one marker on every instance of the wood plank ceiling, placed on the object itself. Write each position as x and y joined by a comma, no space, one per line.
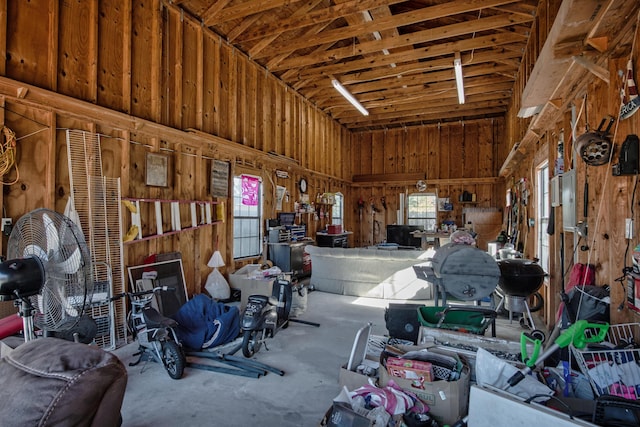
396,57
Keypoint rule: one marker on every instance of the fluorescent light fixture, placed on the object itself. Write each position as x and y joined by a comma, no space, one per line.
344,92
457,66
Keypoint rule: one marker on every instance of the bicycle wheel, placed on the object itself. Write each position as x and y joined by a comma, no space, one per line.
173,359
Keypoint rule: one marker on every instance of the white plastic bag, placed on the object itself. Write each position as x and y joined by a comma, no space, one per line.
493,371
217,285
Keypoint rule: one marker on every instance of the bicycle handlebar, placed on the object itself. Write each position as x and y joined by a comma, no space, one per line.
142,293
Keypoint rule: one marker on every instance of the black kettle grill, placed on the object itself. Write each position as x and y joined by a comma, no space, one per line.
519,279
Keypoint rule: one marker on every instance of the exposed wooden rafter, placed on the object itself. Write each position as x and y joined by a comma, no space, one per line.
395,56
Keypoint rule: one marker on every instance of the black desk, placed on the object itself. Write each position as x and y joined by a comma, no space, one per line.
340,240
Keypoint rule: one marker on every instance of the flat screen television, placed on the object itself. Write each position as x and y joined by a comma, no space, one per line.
286,218
401,235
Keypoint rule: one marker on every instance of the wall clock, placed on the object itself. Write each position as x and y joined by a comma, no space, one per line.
303,185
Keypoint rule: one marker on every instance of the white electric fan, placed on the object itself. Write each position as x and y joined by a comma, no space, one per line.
48,272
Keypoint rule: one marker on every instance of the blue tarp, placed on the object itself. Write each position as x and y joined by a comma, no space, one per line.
205,323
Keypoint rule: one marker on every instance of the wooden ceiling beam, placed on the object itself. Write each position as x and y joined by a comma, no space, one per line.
519,7
240,28
443,104
223,13
421,93
395,21
312,17
425,120
400,94
424,116
267,40
421,67
432,35
273,61
212,11
424,79
445,112
483,42
508,72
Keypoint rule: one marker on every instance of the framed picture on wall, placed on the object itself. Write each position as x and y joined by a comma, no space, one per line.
157,170
444,205
220,178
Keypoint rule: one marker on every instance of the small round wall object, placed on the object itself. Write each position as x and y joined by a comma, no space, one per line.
303,185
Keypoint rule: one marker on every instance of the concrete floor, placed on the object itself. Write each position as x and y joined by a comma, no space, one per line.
310,357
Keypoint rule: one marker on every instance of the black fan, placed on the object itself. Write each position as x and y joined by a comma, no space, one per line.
49,273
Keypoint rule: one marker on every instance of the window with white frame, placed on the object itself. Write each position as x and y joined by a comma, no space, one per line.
337,211
422,210
247,216
542,212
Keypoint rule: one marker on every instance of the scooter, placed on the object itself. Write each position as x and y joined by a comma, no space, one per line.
265,315
154,332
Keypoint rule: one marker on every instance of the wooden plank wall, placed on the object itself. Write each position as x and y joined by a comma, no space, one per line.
610,197
149,79
451,158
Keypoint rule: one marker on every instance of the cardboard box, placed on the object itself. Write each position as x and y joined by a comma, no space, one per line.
361,365
448,401
248,285
414,370
353,380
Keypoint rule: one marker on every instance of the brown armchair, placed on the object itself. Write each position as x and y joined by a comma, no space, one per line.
53,382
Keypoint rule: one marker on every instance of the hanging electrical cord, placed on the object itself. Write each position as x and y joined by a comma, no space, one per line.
8,154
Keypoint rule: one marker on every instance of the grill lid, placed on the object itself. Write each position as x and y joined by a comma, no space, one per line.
465,272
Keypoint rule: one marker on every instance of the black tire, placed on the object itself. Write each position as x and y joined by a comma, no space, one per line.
173,359
525,323
130,326
250,343
538,302
538,335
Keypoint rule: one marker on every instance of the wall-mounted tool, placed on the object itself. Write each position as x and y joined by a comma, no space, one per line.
628,160
594,147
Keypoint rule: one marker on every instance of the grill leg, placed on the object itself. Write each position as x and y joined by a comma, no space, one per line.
528,313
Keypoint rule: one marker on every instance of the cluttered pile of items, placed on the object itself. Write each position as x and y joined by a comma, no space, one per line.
438,369
452,378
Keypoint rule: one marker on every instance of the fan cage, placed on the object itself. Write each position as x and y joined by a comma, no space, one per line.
59,244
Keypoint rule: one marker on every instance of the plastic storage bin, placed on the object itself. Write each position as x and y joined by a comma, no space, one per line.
463,319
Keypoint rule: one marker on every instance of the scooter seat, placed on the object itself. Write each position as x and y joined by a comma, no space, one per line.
154,319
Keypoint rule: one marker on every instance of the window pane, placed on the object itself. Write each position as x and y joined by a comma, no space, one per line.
247,220
422,210
337,210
